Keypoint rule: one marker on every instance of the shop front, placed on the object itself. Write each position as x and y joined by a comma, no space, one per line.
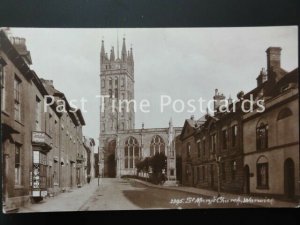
38,179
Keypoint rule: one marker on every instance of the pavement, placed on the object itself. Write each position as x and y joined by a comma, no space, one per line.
67,201
257,201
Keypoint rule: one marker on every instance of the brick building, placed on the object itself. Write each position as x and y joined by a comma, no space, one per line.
42,147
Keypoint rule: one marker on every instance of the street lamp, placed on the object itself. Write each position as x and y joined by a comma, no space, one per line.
142,144
218,162
99,173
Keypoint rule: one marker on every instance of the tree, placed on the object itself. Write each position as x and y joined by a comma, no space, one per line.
158,162
139,166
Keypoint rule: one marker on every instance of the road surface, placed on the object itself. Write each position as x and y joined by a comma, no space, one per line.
125,194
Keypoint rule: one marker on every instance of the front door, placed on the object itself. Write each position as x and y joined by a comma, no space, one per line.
212,176
289,178
247,179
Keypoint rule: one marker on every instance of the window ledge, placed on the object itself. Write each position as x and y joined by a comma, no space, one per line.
5,112
262,187
19,122
17,187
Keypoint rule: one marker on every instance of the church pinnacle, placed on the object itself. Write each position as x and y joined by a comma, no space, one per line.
124,54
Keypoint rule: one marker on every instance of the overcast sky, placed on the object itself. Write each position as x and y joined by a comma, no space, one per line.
185,63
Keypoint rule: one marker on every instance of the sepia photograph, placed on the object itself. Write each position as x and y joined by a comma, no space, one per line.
104,119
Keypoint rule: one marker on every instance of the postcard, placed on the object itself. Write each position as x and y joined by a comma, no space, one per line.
97,119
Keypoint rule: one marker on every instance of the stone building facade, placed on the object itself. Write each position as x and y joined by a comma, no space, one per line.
212,152
271,138
69,162
251,150
120,143
89,145
16,122
42,147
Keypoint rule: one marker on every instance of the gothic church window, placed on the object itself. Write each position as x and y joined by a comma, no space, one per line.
157,145
131,153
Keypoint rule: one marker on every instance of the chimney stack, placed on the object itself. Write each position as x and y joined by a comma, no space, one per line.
262,77
229,100
218,100
273,58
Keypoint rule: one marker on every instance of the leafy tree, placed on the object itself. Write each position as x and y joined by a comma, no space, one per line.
158,162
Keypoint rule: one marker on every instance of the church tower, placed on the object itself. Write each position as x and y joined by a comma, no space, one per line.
116,84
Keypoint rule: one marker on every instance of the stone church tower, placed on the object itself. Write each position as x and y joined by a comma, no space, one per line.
117,83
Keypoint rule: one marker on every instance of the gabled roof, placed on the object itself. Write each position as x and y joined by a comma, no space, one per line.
80,117
191,124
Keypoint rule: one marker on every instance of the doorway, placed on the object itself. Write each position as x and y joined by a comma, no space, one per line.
110,164
289,178
212,179
247,180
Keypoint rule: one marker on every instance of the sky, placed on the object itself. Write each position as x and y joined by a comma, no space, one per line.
183,63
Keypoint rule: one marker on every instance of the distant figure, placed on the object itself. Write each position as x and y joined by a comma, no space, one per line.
163,179
89,179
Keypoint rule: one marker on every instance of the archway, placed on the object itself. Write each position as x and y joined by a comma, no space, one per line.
247,179
289,178
110,160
